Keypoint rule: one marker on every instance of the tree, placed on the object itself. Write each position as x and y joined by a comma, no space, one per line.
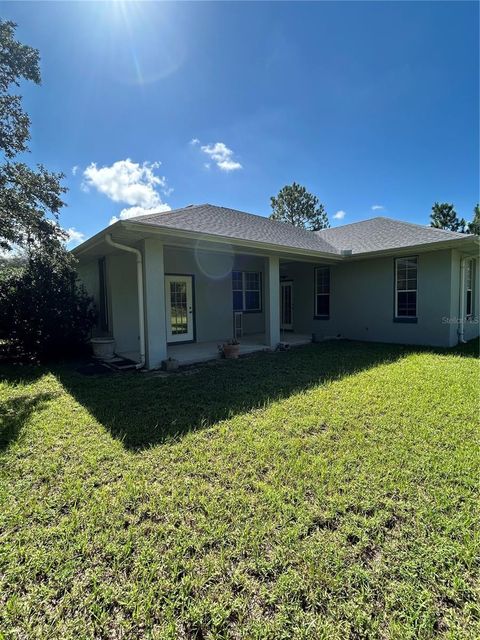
444,216
474,225
30,200
44,312
295,205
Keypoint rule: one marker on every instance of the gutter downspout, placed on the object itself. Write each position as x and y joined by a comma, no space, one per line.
141,304
461,305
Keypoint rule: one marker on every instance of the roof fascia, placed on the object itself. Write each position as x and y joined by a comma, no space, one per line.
96,239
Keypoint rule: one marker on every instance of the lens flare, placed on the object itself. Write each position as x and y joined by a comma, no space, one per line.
215,266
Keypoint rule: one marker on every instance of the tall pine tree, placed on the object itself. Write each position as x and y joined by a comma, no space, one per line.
444,216
295,205
474,225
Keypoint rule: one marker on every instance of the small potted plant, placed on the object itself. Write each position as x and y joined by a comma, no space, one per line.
230,349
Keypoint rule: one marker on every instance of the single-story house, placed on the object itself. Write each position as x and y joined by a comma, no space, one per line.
177,284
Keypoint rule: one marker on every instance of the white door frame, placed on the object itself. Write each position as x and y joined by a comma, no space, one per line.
189,334
283,325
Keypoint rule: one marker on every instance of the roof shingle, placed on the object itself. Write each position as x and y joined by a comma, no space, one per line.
239,225
376,234
379,234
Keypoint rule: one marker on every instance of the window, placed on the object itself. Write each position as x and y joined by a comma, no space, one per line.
247,290
322,292
406,287
469,288
102,295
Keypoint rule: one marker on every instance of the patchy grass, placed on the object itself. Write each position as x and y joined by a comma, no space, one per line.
327,492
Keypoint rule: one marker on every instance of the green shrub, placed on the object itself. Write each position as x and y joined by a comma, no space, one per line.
44,312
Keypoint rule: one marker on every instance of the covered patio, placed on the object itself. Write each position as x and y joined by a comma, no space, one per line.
167,294
196,352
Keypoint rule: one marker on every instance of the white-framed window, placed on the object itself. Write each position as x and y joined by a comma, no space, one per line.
469,269
247,290
322,292
406,287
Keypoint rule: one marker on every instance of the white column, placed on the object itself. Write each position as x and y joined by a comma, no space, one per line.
155,321
272,301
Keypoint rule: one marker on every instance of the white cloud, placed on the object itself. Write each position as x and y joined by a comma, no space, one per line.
229,165
133,212
74,237
127,181
194,141
378,207
206,165
339,215
222,155
131,183
74,170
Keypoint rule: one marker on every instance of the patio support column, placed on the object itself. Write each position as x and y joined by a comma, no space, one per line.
272,301
154,285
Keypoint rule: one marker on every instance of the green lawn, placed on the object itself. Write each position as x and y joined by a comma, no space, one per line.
326,492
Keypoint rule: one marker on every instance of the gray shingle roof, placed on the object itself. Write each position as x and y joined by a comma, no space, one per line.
376,234
230,223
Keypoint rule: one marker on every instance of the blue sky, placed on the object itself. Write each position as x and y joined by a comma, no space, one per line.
366,104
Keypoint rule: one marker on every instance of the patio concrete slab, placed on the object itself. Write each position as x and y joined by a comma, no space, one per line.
195,352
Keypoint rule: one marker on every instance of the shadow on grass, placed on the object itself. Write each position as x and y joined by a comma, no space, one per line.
143,410
470,349
15,412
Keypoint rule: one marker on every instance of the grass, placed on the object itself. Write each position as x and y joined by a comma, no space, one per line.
326,492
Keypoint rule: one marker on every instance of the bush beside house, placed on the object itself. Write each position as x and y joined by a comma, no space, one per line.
44,311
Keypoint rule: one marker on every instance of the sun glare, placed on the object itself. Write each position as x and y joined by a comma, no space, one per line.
143,44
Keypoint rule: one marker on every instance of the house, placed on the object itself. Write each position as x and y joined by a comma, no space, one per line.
179,283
